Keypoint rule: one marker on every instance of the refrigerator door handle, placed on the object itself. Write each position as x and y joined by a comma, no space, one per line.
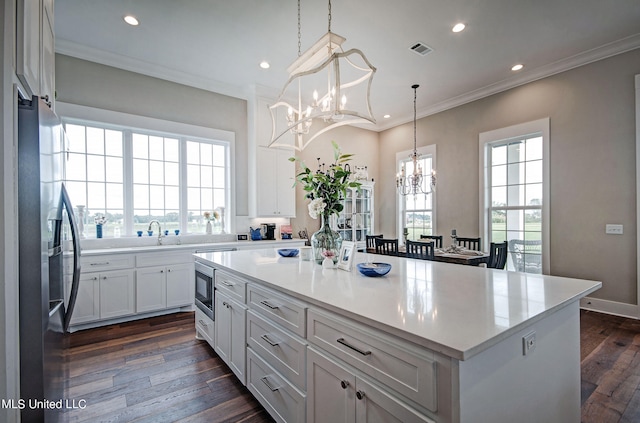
75,237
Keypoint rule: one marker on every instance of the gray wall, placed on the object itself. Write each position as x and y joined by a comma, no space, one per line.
104,87
362,143
592,166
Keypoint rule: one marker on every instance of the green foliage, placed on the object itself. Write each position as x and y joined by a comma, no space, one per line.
331,184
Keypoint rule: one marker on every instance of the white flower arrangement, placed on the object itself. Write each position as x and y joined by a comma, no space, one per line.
316,207
100,219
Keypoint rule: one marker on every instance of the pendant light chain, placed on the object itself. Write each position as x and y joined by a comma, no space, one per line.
299,32
415,96
329,28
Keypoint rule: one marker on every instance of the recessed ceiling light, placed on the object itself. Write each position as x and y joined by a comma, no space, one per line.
265,65
131,20
458,27
517,67
386,116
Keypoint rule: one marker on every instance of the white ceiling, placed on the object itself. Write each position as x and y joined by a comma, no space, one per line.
217,45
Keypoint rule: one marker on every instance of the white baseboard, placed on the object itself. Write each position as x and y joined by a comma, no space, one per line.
631,311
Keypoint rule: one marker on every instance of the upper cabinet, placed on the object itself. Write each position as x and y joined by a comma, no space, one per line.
35,48
272,174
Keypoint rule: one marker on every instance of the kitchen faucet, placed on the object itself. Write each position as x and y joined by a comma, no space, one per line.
159,230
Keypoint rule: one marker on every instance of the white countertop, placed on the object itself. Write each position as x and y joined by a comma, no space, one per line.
193,247
453,309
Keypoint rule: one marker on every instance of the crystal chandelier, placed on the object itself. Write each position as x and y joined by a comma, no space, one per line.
413,183
327,86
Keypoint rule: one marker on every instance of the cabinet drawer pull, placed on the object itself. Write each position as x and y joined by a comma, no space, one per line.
344,384
269,341
356,349
203,323
225,283
266,303
360,395
266,382
99,264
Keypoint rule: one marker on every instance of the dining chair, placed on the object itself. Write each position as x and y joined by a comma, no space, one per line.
497,255
526,255
387,246
371,243
469,243
420,249
436,238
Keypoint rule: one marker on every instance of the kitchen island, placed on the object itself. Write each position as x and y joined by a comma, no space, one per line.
427,342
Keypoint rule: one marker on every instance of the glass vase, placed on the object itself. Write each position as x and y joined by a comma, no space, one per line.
98,231
326,242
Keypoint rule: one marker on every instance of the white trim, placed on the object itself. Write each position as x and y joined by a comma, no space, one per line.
74,111
637,96
80,51
428,150
540,126
610,307
147,124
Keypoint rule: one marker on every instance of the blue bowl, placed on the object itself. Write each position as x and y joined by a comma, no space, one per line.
374,269
288,252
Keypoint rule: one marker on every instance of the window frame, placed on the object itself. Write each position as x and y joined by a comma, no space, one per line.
402,157
487,139
83,115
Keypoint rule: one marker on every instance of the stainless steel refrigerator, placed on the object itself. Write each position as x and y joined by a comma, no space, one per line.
45,219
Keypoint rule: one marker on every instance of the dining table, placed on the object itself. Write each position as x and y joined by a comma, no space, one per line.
457,256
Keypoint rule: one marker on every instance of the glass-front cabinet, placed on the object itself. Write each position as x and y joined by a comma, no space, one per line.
355,221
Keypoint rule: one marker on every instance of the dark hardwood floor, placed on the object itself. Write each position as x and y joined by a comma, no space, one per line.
610,364
154,370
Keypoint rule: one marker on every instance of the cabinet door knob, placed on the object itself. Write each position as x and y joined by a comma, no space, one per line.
360,395
162,271
104,277
95,278
344,384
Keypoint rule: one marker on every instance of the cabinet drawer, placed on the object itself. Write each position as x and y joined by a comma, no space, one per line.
284,352
107,262
408,369
278,308
204,327
162,258
283,401
231,285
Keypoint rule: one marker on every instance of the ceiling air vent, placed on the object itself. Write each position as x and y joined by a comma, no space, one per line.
421,49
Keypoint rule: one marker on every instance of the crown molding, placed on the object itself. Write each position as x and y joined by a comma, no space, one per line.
183,77
599,53
119,61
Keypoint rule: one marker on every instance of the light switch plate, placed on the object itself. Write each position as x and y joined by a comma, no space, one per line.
613,229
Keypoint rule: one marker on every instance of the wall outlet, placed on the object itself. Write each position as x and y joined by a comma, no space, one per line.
528,343
613,229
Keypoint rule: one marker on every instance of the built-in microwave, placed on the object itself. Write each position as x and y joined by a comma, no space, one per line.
204,289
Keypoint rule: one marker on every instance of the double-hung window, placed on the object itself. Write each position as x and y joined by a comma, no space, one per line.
417,212
515,186
134,176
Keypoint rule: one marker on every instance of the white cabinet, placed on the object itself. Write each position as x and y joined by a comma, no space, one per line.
87,306
163,287
271,173
103,295
355,221
117,293
28,44
275,190
35,53
47,56
352,397
230,343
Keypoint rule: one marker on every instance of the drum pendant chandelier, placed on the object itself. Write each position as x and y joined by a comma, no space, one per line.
327,88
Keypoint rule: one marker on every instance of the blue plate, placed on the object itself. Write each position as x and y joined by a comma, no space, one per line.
288,252
374,269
